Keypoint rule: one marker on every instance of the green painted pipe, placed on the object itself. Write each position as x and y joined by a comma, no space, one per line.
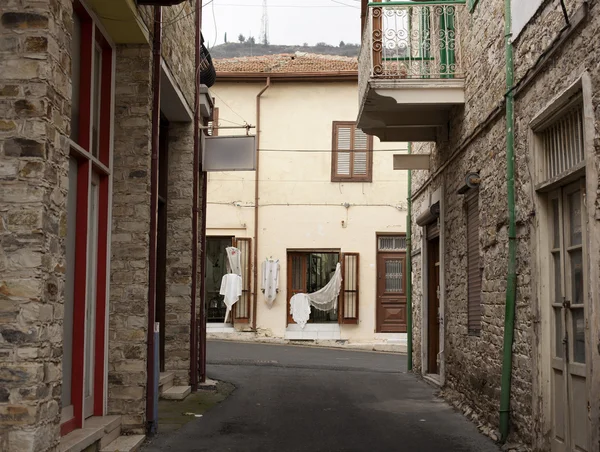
511,277
409,343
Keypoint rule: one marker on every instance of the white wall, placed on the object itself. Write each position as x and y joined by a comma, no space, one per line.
299,205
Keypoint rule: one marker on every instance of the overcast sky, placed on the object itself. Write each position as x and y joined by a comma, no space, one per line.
290,21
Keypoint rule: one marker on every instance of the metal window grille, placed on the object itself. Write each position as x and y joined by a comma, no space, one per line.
391,243
563,143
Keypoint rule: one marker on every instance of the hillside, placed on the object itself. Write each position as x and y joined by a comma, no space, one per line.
236,49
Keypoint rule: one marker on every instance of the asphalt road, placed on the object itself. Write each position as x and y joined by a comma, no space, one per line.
303,399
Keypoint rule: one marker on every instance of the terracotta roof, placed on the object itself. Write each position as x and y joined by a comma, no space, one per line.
300,62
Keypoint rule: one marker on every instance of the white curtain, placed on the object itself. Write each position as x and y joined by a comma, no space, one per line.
324,299
270,280
231,284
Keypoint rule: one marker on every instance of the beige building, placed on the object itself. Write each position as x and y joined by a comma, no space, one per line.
503,99
323,193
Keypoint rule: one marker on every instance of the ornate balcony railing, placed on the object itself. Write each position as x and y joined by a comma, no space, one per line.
412,40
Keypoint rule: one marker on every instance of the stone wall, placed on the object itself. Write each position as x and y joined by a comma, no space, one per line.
34,124
473,363
179,251
130,240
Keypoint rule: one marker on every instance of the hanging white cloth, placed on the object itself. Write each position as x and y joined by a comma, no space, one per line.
270,280
231,284
324,299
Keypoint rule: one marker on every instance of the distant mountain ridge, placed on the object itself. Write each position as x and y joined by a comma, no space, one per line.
236,49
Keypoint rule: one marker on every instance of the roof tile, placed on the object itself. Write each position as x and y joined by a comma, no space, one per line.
288,63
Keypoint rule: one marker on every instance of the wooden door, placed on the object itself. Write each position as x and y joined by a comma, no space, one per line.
433,304
570,399
391,293
296,278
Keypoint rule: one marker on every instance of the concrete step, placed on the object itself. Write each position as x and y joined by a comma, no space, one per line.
110,424
131,443
166,381
80,439
176,393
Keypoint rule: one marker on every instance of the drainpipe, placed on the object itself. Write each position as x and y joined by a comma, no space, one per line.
409,343
203,271
511,277
256,176
151,404
196,170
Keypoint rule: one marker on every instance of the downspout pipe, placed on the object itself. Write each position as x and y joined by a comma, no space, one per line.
151,388
196,175
203,268
511,277
256,199
409,319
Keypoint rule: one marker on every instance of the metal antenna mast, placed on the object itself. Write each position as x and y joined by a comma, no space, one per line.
264,29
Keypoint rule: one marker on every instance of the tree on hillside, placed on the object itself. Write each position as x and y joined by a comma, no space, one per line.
241,38
251,40
225,38
342,43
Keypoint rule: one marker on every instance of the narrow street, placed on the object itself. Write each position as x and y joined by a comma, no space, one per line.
291,398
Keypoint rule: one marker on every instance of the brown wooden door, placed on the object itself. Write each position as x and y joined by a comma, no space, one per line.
296,278
391,293
433,305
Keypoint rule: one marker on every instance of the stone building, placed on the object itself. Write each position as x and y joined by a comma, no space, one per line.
496,95
76,141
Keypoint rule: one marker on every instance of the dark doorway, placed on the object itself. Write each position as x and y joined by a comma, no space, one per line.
433,301
216,268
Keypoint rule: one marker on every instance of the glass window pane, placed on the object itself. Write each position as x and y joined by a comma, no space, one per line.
575,218
576,258
96,100
557,278
578,335
558,333
555,224
393,275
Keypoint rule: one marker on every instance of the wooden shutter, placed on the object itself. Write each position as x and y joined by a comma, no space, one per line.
213,124
242,307
473,264
352,158
349,295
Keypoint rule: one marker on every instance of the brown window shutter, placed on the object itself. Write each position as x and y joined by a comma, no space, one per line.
473,264
352,158
242,307
349,295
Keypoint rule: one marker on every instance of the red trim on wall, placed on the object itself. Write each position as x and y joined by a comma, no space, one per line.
85,91
79,295
101,295
67,427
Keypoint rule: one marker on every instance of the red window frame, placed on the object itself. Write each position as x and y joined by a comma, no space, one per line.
90,166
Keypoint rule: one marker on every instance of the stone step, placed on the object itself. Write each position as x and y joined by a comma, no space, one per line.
110,424
80,439
131,443
165,381
176,393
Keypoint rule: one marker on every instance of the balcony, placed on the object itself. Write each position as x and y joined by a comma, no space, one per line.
410,69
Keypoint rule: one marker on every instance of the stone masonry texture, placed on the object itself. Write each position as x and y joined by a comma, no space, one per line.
34,123
130,226
473,362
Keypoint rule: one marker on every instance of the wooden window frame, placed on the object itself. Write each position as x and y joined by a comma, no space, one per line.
88,167
348,287
239,316
473,294
334,155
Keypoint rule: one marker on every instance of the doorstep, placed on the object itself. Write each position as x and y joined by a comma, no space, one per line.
176,393
102,431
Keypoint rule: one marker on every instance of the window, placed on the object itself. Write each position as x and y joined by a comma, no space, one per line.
242,307
352,154
474,269
87,223
350,288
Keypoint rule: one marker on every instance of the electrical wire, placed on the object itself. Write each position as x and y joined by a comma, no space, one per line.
238,204
345,4
227,105
214,21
